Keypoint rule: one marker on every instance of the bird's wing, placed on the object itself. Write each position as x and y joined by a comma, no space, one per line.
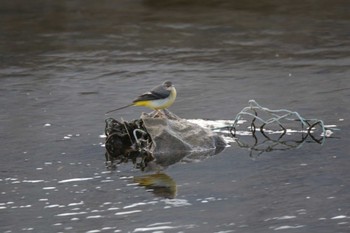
159,92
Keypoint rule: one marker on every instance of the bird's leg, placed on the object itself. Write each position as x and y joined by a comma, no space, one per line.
159,113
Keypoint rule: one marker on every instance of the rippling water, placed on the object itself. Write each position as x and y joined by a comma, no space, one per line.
65,63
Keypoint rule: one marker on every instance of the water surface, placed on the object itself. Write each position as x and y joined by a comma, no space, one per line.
65,63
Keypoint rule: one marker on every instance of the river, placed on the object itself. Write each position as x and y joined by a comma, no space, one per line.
65,63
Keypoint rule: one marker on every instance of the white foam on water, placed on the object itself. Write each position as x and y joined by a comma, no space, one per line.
134,205
158,227
339,217
94,216
125,177
144,229
159,223
128,212
75,180
106,181
70,214
288,227
327,133
32,181
93,231
212,124
75,204
49,188
177,202
281,218
24,206
301,211
54,206
330,126
10,179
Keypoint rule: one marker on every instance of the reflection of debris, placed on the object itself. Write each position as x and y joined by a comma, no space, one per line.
164,140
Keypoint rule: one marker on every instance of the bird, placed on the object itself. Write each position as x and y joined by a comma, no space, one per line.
160,97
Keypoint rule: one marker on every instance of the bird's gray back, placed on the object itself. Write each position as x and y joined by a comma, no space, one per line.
158,92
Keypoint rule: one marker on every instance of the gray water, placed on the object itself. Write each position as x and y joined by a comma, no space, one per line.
65,63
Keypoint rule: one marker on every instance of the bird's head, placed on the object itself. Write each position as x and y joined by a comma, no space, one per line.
168,85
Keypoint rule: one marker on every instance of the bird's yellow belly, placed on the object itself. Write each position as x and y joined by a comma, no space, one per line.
158,104
155,104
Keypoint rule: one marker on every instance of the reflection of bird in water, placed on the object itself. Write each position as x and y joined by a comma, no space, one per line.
160,97
161,184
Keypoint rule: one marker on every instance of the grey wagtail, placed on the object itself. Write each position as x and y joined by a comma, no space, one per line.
160,97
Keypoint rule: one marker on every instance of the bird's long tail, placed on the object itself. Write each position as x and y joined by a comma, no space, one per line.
119,108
